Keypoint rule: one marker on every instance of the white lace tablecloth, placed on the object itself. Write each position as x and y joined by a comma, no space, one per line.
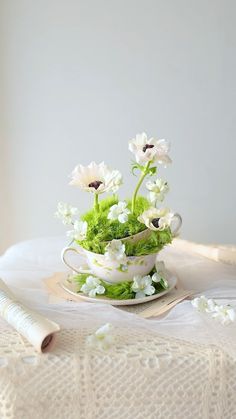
178,367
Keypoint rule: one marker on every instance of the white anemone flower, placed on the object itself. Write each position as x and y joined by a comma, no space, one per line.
115,252
102,338
142,286
80,231
96,178
156,219
119,212
92,287
65,212
149,150
158,190
225,314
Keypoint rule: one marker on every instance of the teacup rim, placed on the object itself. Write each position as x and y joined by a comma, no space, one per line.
127,257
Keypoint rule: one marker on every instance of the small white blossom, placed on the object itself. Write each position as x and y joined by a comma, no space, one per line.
149,150
156,219
119,212
102,338
225,314
96,178
202,304
80,231
158,190
142,286
160,275
115,251
65,212
92,286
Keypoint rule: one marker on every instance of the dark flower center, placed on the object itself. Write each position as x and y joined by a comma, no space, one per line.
155,222
95,184
147,146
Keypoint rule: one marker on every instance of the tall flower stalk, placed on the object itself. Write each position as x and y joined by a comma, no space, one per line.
145,172
96,203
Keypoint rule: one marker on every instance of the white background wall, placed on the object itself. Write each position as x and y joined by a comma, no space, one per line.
80,78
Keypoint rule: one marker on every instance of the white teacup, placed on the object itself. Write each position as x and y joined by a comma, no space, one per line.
111,271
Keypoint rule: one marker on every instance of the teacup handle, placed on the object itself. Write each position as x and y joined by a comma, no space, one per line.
78,251
175,230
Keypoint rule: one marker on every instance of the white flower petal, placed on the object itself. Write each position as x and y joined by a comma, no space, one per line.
100,289
146,149
149,290
96,178
102,338
119,212
140,294
156,277
80,231
115,251
92,293
65,212
160,217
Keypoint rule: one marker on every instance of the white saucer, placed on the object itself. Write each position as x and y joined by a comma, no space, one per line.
71,288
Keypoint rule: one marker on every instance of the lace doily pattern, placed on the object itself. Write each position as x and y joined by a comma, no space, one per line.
140,376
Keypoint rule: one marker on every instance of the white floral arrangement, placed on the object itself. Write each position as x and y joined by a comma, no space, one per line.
225,314
125,231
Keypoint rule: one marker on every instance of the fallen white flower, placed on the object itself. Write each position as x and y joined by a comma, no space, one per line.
102,338
201,304
96,178
119,212
80,231
65,212
92,287
142,286
225,314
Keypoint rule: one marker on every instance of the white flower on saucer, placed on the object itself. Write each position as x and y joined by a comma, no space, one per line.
142,286
115,251
158,190
92,286
96,178
119,212
149,150
160,275
80,230
102,338
225,314
65,212
156,219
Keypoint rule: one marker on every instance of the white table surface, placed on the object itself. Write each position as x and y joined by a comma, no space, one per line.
177,367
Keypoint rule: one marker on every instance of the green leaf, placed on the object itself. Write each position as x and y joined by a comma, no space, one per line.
135,166
152,170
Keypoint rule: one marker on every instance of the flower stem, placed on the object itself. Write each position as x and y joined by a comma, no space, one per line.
143,175
96,204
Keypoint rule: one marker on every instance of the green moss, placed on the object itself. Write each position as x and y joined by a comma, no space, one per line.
153,244
100,229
